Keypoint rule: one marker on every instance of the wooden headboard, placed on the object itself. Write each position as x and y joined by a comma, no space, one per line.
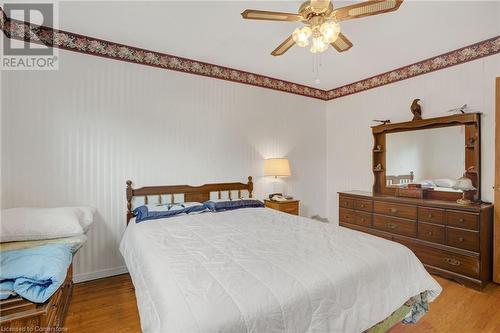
399,180
191,193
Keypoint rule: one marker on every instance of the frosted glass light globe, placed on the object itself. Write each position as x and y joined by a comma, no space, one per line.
330,31
301,36
318,45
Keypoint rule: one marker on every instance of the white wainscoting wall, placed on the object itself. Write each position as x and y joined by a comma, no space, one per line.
349,136
75,135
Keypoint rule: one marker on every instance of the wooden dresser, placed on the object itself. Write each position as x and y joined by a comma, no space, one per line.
451,240
20,315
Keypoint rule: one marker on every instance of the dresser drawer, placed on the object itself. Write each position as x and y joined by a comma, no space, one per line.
363,219
346,203
364,205
370,231
431,215
454,262
431,232
347,216
463,220
395,225
290,208
398,210
468,240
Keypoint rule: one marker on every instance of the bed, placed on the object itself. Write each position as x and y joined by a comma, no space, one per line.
260,270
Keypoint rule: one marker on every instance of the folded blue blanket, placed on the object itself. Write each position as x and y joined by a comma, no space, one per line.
34,273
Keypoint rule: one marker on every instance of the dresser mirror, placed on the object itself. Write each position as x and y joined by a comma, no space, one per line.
433,154
433,158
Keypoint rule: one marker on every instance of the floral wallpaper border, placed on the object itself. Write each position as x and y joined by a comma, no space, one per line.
93,46
459,56
98,47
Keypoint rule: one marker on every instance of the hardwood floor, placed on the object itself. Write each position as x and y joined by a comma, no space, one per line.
104,305
460,309
108,305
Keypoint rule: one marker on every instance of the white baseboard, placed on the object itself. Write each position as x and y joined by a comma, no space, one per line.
99,274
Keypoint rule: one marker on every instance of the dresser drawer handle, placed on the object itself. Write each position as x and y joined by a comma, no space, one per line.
461,220
452,261
460,239
394,210
429,233
430,216
362,219
391,226
362,205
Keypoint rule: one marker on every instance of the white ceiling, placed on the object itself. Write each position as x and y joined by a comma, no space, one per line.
214,32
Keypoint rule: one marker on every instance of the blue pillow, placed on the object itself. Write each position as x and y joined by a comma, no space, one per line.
153,212
222,205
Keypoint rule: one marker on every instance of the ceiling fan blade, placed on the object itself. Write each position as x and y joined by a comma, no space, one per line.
367,8
283,47
342,44
251,14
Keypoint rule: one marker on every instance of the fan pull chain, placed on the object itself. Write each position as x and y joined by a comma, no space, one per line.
317,64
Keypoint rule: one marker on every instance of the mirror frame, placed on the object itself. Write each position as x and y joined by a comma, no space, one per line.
472,146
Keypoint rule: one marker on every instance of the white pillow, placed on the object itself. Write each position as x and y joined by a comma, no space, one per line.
86,216
445,182
21,224
427,182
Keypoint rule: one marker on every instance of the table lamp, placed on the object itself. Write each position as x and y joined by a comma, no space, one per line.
277,167
464,184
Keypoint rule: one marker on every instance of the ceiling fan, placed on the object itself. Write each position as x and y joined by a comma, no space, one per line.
321,22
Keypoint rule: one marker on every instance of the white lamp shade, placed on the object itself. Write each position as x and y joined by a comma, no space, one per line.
277,167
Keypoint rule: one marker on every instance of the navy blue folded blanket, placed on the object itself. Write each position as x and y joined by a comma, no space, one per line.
34,273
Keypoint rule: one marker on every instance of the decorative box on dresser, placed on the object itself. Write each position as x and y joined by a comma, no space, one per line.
451,240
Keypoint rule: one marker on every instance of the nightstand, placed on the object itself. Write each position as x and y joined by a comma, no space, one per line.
289,206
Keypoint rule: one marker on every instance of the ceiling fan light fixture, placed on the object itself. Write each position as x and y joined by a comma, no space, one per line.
321,20
318,45
301,36
330,31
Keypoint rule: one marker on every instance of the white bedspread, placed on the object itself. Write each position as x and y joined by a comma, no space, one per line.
259,270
